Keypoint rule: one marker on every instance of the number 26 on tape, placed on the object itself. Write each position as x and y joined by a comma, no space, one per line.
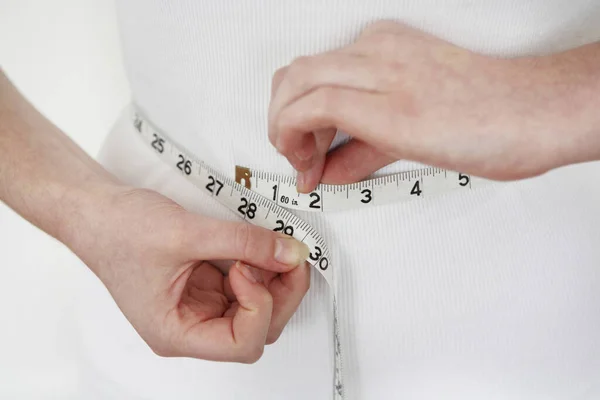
184,165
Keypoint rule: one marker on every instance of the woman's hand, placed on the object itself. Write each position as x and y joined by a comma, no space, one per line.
152,256
403,94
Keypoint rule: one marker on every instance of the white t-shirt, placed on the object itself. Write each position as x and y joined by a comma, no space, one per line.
491,294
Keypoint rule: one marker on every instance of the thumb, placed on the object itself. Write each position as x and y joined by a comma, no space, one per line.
353,162
214,239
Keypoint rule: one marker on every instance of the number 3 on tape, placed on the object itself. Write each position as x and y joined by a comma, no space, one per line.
262,198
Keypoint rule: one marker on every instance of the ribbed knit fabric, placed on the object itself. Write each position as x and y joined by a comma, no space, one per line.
491,294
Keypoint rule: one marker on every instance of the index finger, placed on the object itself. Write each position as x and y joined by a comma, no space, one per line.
240,338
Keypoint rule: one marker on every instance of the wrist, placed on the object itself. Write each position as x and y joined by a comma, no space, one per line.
82,207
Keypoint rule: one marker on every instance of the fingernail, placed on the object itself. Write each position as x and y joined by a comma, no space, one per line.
290,251
245,270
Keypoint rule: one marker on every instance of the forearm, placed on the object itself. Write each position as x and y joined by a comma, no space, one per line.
568,85
590,100
42,171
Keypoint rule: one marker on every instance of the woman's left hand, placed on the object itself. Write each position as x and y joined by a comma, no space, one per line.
404,94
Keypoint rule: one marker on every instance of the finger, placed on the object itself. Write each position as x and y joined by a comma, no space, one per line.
202,298
206,277
345,69
240,338
250,324
277,79
287,290
370,117
353,162
231,311
261,276
385,26
336,69
212,239
301,159
308,178
227,290
387,40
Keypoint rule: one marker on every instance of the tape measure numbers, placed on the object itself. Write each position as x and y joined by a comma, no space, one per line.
247,204
252,207
403,186
263,199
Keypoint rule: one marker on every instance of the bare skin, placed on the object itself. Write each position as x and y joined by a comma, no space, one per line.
400,93
155,268
403,94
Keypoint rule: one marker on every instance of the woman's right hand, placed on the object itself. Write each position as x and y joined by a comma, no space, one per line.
152,256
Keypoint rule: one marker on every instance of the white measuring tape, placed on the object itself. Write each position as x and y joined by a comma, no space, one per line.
262,198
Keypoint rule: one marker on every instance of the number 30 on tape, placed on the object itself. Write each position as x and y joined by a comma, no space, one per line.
263,198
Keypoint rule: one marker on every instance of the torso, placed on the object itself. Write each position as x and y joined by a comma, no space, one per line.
484,295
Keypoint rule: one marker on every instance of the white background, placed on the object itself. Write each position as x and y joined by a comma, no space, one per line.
64,56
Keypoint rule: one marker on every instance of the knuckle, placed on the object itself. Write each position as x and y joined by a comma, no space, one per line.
278,76
325,99
273,336
299,71
161,350
387,43
300,64
385,25
250,354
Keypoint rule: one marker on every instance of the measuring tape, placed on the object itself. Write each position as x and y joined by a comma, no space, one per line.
263,199
393,188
